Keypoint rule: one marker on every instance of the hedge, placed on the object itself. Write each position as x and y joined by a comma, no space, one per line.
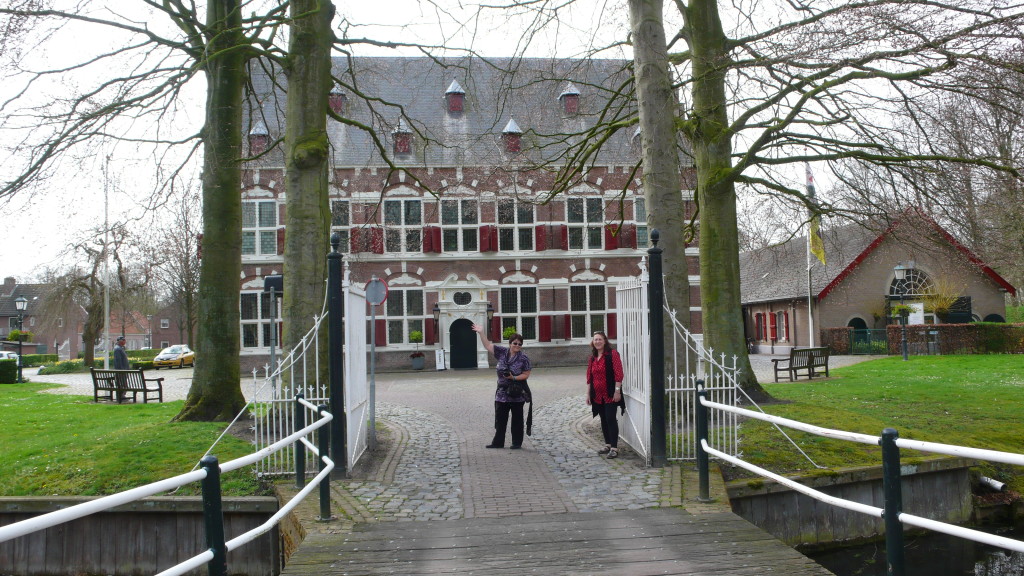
974,338
38,359
8,371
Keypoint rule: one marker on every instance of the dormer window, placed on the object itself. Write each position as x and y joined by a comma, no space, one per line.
403,138
570,98
336,100
454,97
259,139
512,137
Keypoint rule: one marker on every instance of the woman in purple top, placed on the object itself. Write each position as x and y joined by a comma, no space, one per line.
513,365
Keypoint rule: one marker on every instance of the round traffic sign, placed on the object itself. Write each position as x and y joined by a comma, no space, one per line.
376,291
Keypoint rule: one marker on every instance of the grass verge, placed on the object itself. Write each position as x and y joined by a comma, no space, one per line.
55,444
971,401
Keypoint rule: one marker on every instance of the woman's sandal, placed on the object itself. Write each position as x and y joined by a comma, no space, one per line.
604,450
613,453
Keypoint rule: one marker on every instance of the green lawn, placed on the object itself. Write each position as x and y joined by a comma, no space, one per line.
972,401
54,444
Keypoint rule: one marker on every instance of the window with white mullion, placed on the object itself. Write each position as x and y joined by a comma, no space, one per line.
587,306
255,312
585,217
403,314
341,221
519,310
459,221
403,225
259,228
515,225
640,218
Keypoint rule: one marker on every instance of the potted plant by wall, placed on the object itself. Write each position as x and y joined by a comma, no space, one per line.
416,337
508,332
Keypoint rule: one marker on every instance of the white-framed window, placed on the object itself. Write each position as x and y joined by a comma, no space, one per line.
256,313
403,225
782,326
165,323
165,344
459,222
403,314
515,225
519,310
640,218
12,322
341,219
259,228
586,223
587,306
60,322
32,321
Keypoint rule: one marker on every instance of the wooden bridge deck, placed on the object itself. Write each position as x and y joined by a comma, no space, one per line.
646,542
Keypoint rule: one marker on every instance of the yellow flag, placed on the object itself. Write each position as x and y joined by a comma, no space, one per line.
817,246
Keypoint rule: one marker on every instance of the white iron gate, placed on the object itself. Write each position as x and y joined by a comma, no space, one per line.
299,371
690,362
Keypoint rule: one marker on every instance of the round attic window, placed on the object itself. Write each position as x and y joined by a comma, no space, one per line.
462,298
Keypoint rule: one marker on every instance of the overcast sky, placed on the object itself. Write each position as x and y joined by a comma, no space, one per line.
41,225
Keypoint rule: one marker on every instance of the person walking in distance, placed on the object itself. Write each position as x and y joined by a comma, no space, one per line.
513,368
604,390
120,356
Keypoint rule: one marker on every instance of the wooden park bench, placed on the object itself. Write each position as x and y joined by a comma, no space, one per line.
118,384
810,360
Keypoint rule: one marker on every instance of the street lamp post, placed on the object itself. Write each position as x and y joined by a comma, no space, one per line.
149,328
21,303
901,276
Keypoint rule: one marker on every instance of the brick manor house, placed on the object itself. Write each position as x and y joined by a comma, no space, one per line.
481,228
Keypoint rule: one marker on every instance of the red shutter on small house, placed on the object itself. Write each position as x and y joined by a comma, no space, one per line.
613,326
773,327
544,328
280,240
381,332
611,239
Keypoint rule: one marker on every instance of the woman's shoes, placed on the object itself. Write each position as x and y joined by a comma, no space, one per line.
494,446
605,449
515,447
613,453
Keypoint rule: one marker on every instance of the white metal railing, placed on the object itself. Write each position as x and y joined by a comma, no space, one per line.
903,517
44,521
635,351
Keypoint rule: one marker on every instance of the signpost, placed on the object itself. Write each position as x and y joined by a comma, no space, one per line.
376,294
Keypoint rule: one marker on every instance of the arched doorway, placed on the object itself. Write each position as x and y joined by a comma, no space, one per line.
857,324
463,344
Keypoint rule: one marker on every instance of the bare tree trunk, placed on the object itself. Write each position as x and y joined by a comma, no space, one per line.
216,393
709,132
658,109
307,150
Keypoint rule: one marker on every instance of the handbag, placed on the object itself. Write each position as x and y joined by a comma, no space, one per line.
516,389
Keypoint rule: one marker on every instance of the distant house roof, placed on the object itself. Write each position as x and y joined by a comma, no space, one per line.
383,91
780,272
10,291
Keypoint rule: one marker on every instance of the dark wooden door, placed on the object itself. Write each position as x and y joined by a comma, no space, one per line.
464,342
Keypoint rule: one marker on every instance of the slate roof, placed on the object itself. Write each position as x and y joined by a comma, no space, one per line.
33,292
780,272
415,88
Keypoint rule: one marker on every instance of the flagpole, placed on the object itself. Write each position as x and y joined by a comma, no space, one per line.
810,298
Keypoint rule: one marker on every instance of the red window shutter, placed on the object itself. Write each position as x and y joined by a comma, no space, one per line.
785,318
428,240
611,239
428,331
381,334
540,237
613,326
280,240
488,238
355,240
627,236
567,327
563,231
377,237
495,329
773,327
544,328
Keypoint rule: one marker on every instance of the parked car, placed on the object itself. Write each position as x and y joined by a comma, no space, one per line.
180,356
8,355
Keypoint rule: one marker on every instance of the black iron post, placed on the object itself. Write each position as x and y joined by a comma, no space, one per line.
324,444
336,343
656,317
21,304
300,448
213,517
703,472
903,328
892,490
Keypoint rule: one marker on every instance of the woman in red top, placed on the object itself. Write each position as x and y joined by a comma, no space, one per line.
604,390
